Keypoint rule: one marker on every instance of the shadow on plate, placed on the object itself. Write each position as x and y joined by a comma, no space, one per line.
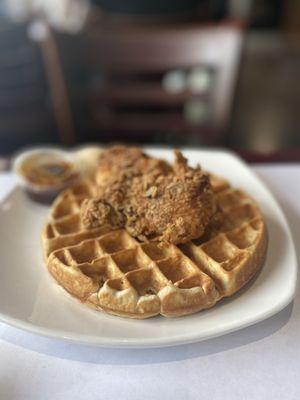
97,355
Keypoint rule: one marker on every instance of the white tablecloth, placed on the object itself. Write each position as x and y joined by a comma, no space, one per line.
259,362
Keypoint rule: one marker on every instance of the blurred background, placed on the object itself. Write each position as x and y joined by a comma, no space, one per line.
173,72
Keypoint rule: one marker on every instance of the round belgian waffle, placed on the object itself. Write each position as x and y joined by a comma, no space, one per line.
113,272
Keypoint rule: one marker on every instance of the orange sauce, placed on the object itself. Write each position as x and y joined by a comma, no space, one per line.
47,170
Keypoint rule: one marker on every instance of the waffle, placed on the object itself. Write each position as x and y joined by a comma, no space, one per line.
111,271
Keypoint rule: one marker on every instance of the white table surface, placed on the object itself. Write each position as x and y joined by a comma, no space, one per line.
259,362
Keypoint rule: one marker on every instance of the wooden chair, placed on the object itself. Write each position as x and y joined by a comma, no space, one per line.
125,65
132,61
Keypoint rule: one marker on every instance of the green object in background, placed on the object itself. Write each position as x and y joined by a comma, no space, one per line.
196,111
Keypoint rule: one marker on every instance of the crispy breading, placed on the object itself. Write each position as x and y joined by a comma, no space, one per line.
173,205
121,162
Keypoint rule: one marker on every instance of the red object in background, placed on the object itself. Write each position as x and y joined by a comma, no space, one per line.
282,156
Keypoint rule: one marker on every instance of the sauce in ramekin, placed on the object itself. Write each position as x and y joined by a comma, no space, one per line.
44,173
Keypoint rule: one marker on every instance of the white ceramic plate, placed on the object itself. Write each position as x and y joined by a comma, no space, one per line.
31,300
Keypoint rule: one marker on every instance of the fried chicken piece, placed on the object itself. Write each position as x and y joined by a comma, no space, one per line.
121,162
95,213
174,206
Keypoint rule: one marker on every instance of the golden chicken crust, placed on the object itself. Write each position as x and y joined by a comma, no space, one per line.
121,162
150,199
